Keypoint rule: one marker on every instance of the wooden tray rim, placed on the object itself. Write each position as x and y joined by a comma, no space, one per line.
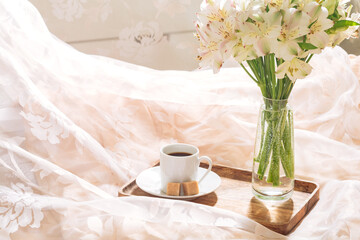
306,202
297,180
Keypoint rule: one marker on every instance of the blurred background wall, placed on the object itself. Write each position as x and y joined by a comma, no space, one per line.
152,33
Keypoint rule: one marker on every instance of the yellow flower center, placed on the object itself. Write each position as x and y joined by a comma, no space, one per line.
225,30
218,16
275,3
292,70
213,46
316,27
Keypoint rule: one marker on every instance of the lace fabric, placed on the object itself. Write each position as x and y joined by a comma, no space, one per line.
75,128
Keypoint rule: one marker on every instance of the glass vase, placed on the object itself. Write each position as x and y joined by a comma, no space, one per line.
273,165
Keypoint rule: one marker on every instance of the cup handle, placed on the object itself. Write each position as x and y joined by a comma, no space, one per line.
209,168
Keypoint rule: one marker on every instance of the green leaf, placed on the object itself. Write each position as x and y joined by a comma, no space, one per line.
345,23
306,46
341,25
250,20
335,16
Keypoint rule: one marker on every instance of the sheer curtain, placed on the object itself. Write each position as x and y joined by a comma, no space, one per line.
75,128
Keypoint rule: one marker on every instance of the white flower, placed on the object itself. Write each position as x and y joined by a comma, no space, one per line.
209,49
291,29
277,4
210,56
244,52
300,4
215,10
313,10
262,32
343,9
330,5
216,33
248,5
294,69
294,26
317,36
352,32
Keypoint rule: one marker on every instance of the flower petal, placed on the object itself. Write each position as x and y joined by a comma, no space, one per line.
38,217
312,9
263,46
295,69
282,70
319,39
287,50
26,217
330,5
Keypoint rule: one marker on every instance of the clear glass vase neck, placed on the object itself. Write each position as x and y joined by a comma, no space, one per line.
274,104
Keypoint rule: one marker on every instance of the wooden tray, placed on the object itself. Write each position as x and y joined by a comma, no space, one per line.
235,194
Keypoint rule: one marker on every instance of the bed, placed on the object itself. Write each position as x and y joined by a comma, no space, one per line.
75,128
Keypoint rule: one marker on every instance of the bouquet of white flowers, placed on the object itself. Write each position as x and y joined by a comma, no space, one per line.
277,39
282,34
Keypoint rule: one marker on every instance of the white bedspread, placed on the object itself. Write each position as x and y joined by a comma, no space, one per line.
74,128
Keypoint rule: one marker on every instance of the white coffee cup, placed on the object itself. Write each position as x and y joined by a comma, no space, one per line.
180,168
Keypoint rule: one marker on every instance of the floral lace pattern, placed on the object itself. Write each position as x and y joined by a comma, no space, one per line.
138,40
171,7
67,10
44,129
118,115
155,33
18,208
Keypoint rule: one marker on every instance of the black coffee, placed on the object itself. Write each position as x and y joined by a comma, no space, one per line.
180,154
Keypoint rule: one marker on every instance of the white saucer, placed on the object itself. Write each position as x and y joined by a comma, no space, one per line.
149,181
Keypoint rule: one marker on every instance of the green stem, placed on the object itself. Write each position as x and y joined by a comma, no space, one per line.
248,73
290,147
287,153
284,161
309,58
276,135
262,136
276,143
270,74
261,65
274,171
280,90
254,69
264,154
